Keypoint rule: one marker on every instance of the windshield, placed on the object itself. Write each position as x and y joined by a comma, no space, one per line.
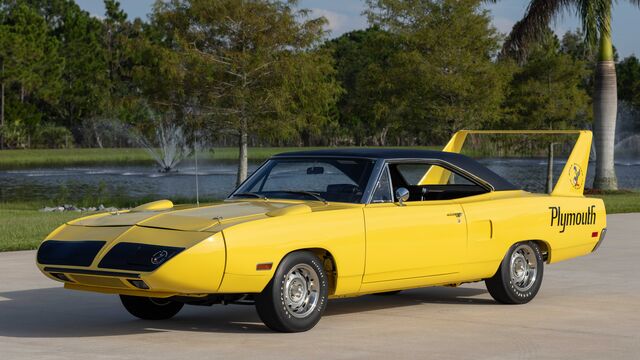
340,180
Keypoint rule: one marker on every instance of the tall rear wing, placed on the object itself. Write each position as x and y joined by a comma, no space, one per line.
571,181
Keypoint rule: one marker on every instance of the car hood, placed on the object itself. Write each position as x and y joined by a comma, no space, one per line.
211,218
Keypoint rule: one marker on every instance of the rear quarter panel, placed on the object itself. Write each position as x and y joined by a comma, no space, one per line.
498,220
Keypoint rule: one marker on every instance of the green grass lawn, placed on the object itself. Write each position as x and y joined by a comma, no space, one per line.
23,226
620,202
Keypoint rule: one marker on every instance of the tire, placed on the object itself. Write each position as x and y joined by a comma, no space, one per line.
519,277
150,308
296,297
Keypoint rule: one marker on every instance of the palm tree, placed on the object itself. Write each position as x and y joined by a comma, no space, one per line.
596,23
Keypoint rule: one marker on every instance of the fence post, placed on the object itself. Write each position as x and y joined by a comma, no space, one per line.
550,169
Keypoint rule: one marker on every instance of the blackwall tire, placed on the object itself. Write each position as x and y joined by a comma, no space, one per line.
519,277
150,308
296,297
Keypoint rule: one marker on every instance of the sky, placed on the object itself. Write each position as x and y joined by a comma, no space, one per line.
346,15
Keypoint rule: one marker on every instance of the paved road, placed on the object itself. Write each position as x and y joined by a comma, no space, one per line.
587,309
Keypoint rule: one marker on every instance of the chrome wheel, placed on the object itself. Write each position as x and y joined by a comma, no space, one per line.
519,276
523,267
301,290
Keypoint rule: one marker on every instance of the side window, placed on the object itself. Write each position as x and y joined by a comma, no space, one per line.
382,193
412,173
427,182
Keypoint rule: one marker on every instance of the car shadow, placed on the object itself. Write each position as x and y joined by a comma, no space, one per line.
59,313
430,295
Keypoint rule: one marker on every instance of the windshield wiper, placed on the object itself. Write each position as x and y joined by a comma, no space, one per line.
251,194
308,193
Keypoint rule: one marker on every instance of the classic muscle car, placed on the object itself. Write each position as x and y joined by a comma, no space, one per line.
309,226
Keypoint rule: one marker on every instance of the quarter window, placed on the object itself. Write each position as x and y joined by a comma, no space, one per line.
413,173
382,192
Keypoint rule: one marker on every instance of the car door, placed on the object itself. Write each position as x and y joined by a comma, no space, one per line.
416,242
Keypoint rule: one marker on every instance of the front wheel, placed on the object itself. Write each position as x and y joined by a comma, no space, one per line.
150,308
295,299
519,277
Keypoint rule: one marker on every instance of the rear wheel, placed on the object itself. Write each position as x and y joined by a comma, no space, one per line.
150,308
519,277
296,297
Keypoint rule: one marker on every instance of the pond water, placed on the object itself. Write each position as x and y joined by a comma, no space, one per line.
73,183
217,180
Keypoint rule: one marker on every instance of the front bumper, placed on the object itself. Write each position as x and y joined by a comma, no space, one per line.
137,261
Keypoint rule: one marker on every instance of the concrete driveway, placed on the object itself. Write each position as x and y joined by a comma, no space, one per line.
588,308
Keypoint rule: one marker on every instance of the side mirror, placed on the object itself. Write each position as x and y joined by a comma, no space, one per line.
402,195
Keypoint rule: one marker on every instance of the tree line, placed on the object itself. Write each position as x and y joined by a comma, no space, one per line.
261,72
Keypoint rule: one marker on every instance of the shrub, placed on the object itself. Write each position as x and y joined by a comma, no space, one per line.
52,137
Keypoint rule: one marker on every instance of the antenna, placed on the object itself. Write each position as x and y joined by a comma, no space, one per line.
195,150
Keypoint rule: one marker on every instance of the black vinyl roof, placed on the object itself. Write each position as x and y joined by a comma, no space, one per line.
464,162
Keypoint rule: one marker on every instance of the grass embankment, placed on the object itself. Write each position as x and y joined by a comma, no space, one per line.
62,157
23,226
67,157
11,159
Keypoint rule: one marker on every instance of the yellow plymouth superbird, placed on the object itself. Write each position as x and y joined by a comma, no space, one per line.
313,225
